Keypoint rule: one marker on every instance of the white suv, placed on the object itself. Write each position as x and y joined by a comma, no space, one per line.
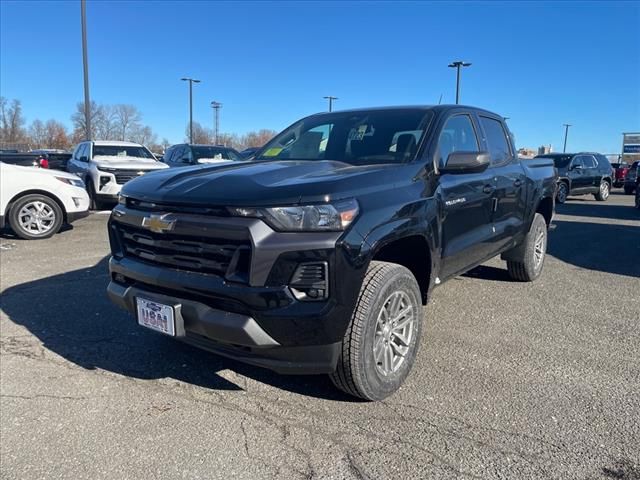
36,202
105,166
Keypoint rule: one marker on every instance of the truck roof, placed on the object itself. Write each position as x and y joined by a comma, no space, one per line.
413,108
115,142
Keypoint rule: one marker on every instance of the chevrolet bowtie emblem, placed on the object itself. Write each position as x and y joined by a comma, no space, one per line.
156,223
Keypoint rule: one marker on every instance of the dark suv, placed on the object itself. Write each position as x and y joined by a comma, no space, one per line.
184,155
630,178
582,174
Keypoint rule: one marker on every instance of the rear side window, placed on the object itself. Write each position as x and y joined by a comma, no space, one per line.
589,161
458,135
497,140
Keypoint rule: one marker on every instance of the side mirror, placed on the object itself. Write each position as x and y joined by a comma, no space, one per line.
466,162
83,158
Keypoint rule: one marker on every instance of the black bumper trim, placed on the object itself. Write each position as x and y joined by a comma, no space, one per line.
232,335
73,216
197,318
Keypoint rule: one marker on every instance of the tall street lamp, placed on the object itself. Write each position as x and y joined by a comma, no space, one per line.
457,65
566,133
331,99
191,82
85,66
216,120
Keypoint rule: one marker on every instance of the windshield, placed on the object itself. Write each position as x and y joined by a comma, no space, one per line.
214,153
358,138
121,151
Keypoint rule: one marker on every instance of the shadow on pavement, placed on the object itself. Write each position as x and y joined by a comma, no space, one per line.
72,316
611,248
602,210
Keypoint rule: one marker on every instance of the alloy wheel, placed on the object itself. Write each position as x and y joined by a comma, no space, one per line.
37,217
394,333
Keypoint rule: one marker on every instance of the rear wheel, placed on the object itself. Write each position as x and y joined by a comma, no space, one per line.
530,255
603,191
381,342
563,192
35,216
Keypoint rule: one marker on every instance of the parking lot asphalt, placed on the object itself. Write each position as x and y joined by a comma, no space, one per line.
512,380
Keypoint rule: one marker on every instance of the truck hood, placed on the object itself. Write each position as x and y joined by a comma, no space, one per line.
127,163
263,183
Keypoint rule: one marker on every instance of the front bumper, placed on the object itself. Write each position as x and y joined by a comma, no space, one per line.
232,335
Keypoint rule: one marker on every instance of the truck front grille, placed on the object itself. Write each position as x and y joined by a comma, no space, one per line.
123,176
223,257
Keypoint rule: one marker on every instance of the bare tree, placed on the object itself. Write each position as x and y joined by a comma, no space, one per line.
257,139
128,120
79,125
144,136
37,134
11,121
201,135
56,135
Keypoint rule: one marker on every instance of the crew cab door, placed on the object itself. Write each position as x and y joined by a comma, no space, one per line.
509,202
466,200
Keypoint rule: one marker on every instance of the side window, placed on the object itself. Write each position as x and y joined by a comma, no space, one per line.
589,161
187,155
167,154
578,161
497,140
457,135
177,155
82,151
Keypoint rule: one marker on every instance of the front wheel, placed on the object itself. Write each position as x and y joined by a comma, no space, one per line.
530,255
35,217
603,192
381,342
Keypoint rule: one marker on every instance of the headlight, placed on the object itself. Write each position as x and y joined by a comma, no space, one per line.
122,200
76,182
323,217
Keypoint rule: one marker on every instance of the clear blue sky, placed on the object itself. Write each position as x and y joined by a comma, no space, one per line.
269,63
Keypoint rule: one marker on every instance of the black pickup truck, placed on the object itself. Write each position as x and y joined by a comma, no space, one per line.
318,255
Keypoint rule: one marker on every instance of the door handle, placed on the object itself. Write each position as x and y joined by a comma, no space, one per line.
517,183
488,189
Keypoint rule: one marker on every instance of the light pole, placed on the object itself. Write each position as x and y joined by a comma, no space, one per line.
331,99
191,82
566,133
457,64
216,120
85,65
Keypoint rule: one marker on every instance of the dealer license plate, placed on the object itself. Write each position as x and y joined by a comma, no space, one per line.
156,316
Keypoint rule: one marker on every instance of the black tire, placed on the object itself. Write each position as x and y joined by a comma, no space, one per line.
43,213
638,198
603,191
526,267
94,203
358,372
562,193
628,190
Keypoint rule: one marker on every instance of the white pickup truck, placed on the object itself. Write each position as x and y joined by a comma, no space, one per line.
107,165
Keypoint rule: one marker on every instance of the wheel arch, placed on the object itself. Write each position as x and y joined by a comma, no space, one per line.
412,251
35,191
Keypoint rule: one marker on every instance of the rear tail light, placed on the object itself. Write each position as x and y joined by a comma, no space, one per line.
43,163
310,281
